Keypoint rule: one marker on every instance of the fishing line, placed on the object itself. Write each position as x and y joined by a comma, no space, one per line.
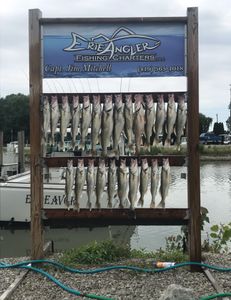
121,79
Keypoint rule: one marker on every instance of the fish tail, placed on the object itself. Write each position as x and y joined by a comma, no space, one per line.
141,201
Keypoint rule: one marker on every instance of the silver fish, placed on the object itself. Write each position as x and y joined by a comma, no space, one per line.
90,182
100,182
138,121
55,115
160,118
69,183
171,118
150,115
75,114
122,183
107,124
65,119
96,122
133,183
164,182
180,119
144,180
128,116
118,121
154,181
79,183
46,117
112,180
86,120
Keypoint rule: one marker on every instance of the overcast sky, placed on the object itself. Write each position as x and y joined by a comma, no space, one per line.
214,40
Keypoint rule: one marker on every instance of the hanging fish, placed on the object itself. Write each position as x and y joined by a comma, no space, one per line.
160,118
79,183
75,114
112,180
144,180
55,115
138,121
86,120
154,181
107,124
171,119
65,120
118,121
45,124
164,182
133,183
96,122
90,182
69,183
128,116
180,119
150,116
122,183
100,182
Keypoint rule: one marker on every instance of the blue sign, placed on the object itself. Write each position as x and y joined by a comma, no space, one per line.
113,50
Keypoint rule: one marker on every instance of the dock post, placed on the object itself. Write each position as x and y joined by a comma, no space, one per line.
193,140
21,156
35,134
1,151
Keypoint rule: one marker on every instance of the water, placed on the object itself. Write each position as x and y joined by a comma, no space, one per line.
215,196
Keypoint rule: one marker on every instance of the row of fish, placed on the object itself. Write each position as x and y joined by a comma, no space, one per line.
120,182
140,123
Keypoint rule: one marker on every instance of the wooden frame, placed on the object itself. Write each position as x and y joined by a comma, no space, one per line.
193,211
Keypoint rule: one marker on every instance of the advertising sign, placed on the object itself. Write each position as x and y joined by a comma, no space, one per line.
106,49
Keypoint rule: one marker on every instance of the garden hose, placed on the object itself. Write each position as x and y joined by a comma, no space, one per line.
28,265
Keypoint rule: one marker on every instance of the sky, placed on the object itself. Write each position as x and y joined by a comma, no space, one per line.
214,43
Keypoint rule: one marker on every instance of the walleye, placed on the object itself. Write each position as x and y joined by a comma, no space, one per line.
90,182
138,121
79,183
65,120
128,118
180,119
150,116
46,124
154,181
133,183
100,182
107,124
118,121
69,183
75,115
112,180
86,120
144,179
160,117
165,182
96,122
122,182
171,118
55,115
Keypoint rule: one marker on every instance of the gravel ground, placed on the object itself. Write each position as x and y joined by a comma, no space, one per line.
115,284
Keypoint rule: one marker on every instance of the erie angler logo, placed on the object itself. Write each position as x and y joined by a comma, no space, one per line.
123,42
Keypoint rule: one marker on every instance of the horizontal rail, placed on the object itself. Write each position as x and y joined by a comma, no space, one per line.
104,217
174,160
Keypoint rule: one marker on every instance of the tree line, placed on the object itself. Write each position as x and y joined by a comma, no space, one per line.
14,117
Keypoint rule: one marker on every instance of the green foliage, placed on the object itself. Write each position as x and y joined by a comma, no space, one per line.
204,123
14,116
221,236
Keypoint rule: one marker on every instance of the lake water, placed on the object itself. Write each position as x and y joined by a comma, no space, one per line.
215,196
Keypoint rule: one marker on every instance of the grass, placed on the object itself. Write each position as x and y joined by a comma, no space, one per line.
108,252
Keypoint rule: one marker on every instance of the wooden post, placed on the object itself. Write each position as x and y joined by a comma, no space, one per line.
1,151
21,157
35,134
193,139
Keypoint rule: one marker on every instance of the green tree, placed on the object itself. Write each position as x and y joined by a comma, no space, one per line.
14,116
204,123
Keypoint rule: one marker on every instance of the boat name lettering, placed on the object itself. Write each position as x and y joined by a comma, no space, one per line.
50,199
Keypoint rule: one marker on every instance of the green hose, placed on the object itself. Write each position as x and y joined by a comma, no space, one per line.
27,265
